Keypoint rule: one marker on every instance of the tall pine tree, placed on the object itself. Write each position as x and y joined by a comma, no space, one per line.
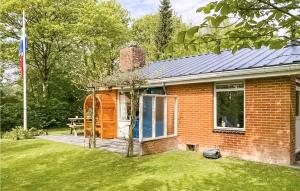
165,29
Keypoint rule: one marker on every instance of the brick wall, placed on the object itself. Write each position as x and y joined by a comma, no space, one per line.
158,145
270,122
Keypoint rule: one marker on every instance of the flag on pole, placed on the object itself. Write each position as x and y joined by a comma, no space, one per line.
22,51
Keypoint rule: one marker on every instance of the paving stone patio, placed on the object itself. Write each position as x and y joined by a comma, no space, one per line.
112,145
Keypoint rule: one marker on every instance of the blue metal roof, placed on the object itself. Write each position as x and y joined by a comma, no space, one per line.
225,61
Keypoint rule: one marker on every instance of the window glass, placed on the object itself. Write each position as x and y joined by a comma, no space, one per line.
158,90
125,106
230,86
147,117
160,116
230,107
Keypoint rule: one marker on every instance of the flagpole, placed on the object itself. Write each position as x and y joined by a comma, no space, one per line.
24,73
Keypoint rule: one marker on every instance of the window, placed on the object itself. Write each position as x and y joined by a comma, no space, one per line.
229,105
158,116
124,106
157,90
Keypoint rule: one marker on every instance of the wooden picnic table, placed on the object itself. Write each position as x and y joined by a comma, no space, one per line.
75,124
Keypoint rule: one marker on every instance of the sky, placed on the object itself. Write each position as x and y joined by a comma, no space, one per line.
186,9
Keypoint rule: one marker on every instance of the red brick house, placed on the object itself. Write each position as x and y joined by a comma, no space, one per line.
246,104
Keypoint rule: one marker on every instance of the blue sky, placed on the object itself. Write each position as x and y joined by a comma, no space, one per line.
184,8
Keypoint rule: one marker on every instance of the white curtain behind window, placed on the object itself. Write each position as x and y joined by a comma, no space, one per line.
123,107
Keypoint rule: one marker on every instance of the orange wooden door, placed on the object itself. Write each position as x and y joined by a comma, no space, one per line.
109,115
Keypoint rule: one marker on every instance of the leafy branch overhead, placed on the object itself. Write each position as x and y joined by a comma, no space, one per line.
128,79
236,24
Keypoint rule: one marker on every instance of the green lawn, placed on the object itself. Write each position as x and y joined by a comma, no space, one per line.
58,131
42,165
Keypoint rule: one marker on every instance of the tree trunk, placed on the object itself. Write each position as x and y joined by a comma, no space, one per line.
131,126
45,88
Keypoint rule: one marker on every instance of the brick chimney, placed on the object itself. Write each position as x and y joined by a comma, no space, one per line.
131,57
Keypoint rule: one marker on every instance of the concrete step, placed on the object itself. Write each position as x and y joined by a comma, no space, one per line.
117,142
122,144
118,147
118,150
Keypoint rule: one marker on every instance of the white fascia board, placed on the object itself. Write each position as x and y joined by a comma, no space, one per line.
292,69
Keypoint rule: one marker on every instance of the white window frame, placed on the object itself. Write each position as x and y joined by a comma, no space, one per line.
119,107
216,127
165,135
297,90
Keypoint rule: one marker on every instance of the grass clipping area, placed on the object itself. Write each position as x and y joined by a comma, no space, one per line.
44,165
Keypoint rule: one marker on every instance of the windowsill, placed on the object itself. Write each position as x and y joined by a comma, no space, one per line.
229,130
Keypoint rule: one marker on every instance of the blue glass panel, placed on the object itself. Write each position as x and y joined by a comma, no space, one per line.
136,129
147,117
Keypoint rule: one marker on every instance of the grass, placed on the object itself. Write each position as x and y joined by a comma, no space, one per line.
58,131
44,165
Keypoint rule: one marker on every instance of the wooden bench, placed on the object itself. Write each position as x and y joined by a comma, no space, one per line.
75,125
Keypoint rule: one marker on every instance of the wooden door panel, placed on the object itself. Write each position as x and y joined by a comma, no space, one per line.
109,114
106,122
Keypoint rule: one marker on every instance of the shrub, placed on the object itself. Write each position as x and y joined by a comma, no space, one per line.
37,132
20,133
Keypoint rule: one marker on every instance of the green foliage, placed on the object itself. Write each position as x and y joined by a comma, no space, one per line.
19,133
200,39
252,24
11,107
144,31
104,29
165,28
69,41
37,132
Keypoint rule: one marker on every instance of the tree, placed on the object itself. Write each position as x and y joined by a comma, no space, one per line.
165,28
132,80
105,30
50,25
144,31
63,36
195,40
254,23
56,29
98,48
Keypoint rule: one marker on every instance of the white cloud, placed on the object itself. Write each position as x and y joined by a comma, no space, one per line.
186,9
